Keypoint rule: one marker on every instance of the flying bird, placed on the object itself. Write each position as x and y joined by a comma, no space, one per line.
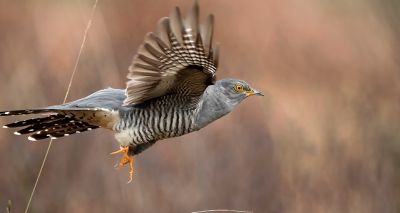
171,91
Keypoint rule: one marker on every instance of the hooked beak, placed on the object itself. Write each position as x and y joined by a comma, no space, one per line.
253,92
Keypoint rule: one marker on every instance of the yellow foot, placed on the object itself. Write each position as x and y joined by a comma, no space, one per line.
126,158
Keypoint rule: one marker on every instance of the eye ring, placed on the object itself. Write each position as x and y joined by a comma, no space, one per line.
238,88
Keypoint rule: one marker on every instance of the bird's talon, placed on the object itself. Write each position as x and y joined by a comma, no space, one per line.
126,158
130,179
121,150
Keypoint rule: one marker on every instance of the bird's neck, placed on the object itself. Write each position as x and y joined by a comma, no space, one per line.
213,105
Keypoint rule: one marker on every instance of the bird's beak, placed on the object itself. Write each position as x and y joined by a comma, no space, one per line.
253,92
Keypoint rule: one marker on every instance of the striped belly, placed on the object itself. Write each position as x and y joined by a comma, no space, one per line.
149,125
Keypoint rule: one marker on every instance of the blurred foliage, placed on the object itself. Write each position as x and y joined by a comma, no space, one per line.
326,138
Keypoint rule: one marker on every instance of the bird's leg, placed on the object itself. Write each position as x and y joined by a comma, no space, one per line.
126,158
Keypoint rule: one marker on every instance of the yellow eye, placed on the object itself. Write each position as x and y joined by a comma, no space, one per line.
238,88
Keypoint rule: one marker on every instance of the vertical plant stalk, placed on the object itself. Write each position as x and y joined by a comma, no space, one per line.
89,24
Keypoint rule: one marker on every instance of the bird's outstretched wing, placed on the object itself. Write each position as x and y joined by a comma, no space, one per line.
179,59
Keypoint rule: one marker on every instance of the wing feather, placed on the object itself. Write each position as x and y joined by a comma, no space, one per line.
207,33
162,33
192,21
176,24
181,50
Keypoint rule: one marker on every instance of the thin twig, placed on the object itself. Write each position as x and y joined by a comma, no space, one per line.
89,24
223,210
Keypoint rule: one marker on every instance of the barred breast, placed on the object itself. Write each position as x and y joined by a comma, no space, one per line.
147,125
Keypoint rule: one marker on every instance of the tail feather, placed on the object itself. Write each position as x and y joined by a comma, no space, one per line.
62,131
33,121
56,123
100,109
24,112
42,126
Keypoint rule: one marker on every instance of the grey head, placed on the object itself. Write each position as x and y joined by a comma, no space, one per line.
236,90
221,98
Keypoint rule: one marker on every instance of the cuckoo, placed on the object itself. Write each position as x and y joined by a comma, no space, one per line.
171,91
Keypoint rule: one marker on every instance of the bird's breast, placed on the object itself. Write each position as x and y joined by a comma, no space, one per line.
123,137
149,125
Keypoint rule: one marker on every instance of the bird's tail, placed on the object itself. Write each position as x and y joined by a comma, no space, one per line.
54,124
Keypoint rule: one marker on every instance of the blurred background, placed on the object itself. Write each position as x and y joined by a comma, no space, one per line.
325,138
